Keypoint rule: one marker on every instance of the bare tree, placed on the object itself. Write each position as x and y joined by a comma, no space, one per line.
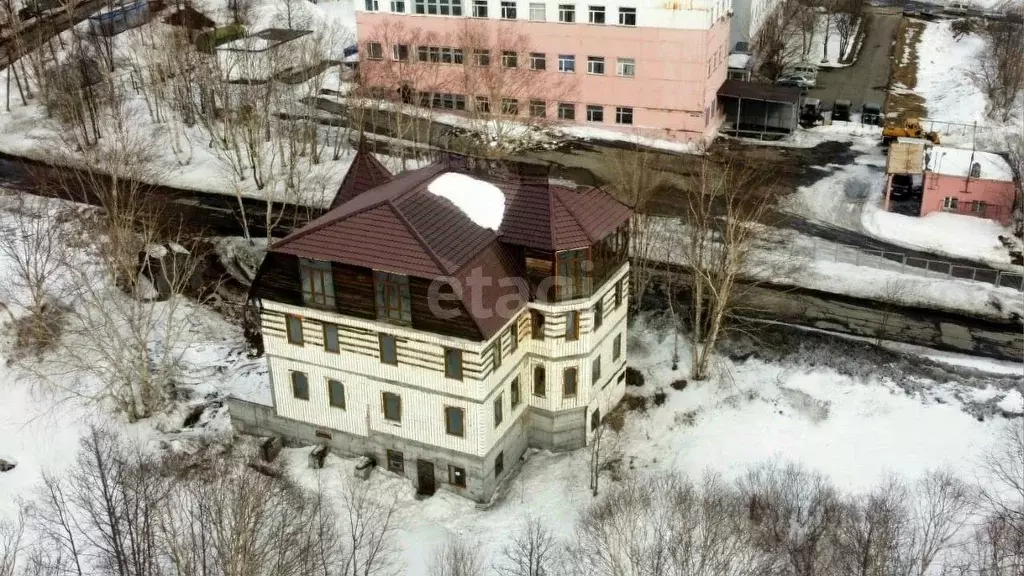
665,525
368,528
534,550
891,298
635,176
1003,491
1015,147
793,513
36,247
874,532
605,452
847,20
784,37
728,206
999,68
457,558
940,508
11,533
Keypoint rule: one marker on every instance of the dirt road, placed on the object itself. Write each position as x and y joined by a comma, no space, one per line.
866,79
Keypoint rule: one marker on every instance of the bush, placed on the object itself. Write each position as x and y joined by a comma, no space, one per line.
679,385
634,377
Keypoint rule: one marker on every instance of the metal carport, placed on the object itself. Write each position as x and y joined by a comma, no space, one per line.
756,110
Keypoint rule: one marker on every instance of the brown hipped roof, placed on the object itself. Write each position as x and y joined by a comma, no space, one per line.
366,172
399,226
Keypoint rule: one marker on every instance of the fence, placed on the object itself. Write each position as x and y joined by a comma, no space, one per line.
904,264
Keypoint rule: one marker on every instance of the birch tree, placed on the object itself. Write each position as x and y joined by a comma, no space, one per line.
727,206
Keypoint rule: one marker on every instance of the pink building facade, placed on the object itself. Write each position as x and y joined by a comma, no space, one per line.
967,182
649,68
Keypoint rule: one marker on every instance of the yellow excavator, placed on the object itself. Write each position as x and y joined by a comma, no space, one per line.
909,128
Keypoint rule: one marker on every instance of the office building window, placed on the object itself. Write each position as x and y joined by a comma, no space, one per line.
596,14
400,52
374,51
566,63
538,61
566,13
509,59
479,8
508,10
627,67
595,65
627,16
482,57
623,115
372,5
566,111
537,11
538,109
483,104
595,113
510,106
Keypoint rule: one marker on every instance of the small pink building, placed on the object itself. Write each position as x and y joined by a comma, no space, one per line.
643,66
952,180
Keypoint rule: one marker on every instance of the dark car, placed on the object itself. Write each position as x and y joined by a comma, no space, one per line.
871,113
841,110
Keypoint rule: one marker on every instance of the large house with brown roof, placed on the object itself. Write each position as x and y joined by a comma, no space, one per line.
445,319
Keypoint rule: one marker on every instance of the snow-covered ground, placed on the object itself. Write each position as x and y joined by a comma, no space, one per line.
182,156
851,196
945,70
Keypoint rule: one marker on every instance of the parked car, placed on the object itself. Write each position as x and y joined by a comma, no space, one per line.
810,113
871,113
805,70
802,82
841,110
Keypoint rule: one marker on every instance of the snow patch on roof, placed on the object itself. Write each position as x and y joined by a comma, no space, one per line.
957,162
737,60
480,201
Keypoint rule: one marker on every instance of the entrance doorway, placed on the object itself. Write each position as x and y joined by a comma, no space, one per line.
425,484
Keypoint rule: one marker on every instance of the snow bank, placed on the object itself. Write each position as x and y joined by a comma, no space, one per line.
957,162
481,201
1012,403
952,235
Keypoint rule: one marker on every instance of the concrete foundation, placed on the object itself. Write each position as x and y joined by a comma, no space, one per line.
481,476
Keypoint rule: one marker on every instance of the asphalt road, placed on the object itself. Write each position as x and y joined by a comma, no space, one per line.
866,79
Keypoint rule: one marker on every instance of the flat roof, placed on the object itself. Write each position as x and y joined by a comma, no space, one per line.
759,91
957,162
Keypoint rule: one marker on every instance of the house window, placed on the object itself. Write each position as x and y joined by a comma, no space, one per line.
482,57
508,10
388,348
597,14
400,52
566,111
595,420
510,106
513,392
627,67
539,381
453,363
978,206
595,371
538,61
598,314
479,8
566,13
317,283
537,325
456,476
396,462
498,413
374,51
595,113
566,63
482,104
392,406
627,16
497,354
623,115
513,336
572,325
537,11
293,327
331,343
618,293
372,5
595,65
570,381
300,385
393,303
509,59
438,7
572,264
950,203
499,464
454,421
616,347
336,393
538,109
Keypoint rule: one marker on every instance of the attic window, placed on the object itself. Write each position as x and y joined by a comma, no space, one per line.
975,170
317,283
392,295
